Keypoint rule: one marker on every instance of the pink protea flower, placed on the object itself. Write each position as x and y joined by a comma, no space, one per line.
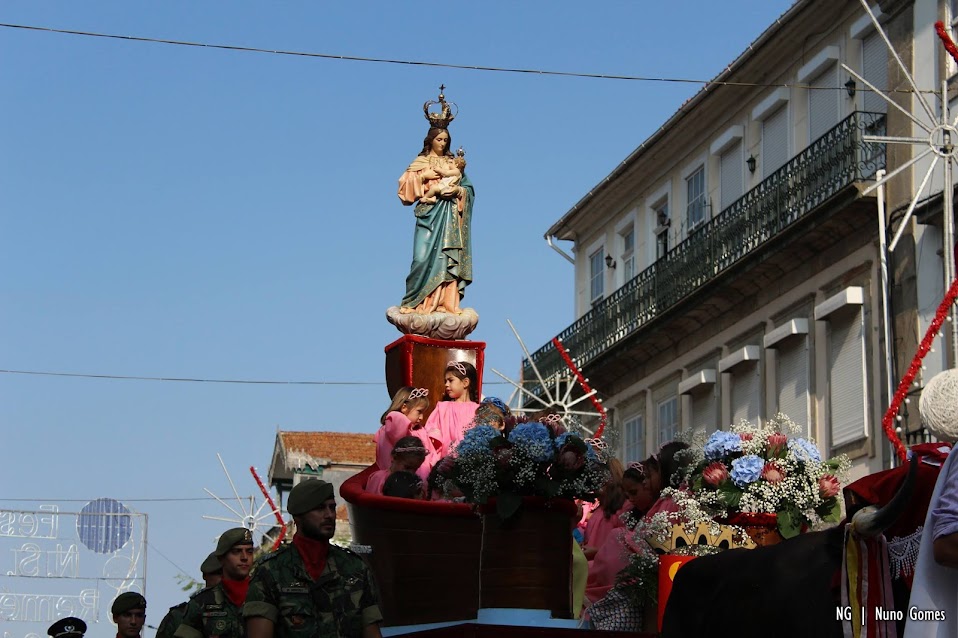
828,486
776,443
715,474
745,436
773,473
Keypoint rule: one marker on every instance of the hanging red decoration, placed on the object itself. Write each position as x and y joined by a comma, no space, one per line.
946,40
888,421
603,415
273,508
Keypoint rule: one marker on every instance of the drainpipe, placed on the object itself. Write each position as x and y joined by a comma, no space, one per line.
567,256
886,310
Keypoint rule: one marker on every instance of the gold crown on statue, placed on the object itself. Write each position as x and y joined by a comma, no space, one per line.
445,115
726,538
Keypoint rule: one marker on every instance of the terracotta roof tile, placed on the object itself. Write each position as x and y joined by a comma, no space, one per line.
338,447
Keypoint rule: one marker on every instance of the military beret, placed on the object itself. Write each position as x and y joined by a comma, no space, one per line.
308,495
211,565
126,601
232,537
69,627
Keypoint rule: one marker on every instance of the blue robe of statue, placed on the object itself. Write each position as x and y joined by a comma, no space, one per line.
442,248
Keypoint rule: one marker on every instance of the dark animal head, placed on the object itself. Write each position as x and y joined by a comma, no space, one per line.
871,521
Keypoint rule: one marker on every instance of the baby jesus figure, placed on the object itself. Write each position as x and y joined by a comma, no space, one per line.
448,186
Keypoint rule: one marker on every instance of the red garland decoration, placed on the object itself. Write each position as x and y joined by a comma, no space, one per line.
272,505
888,421
603,415
946,40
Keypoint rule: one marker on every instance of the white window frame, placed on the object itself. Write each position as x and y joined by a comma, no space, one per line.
662,196
597,279
696,386
667,431
626,254
792,335
747,359
634,429
776,99
846,309
699,200
730,137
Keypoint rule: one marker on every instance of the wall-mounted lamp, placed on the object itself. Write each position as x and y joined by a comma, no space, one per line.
609,262
750,162
850,87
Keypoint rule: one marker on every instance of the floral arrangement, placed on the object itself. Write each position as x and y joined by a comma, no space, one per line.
640,578
766,469
533,459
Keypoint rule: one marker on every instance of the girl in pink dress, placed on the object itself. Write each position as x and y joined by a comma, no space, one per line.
455,412
606,514
613,556
407,456
404,418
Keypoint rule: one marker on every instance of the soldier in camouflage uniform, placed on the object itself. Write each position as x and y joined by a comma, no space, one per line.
212,572
129,614
311,589
216,612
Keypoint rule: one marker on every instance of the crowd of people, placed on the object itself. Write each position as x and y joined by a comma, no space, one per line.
308,587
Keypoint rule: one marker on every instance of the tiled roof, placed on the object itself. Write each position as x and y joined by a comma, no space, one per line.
338,447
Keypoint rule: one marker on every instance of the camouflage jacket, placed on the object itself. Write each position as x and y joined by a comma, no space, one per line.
171,621
337,605
210,614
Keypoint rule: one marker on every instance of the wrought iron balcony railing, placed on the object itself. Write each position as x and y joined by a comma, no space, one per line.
829,164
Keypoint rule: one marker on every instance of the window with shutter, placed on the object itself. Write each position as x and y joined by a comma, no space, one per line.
774,141
634,438
732,168
668,420
597,275
846,376
823,99
704,417
875,70
791,371
746,392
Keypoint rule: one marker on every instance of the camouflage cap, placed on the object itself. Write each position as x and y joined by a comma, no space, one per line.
211,565
231,538
126,601
308,495
69,627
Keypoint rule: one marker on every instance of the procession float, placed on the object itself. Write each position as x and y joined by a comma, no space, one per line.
754,516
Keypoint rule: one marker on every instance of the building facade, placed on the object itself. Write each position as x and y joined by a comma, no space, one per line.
730,267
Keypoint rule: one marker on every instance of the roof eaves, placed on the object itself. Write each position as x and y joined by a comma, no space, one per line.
557,228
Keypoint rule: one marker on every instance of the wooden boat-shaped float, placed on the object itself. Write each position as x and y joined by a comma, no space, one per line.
439,563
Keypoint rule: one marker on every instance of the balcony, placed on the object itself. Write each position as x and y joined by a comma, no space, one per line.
812,182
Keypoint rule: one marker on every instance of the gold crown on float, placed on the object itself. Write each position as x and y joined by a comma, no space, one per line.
445,115
728,537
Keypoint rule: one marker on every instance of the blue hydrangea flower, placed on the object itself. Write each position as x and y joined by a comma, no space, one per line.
476,440
722,443
747,469
534,440
804,450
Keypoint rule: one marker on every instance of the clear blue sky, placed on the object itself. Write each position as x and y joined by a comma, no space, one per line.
181,212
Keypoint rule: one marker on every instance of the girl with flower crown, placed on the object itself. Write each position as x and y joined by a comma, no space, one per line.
407,456
404,418
455,412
